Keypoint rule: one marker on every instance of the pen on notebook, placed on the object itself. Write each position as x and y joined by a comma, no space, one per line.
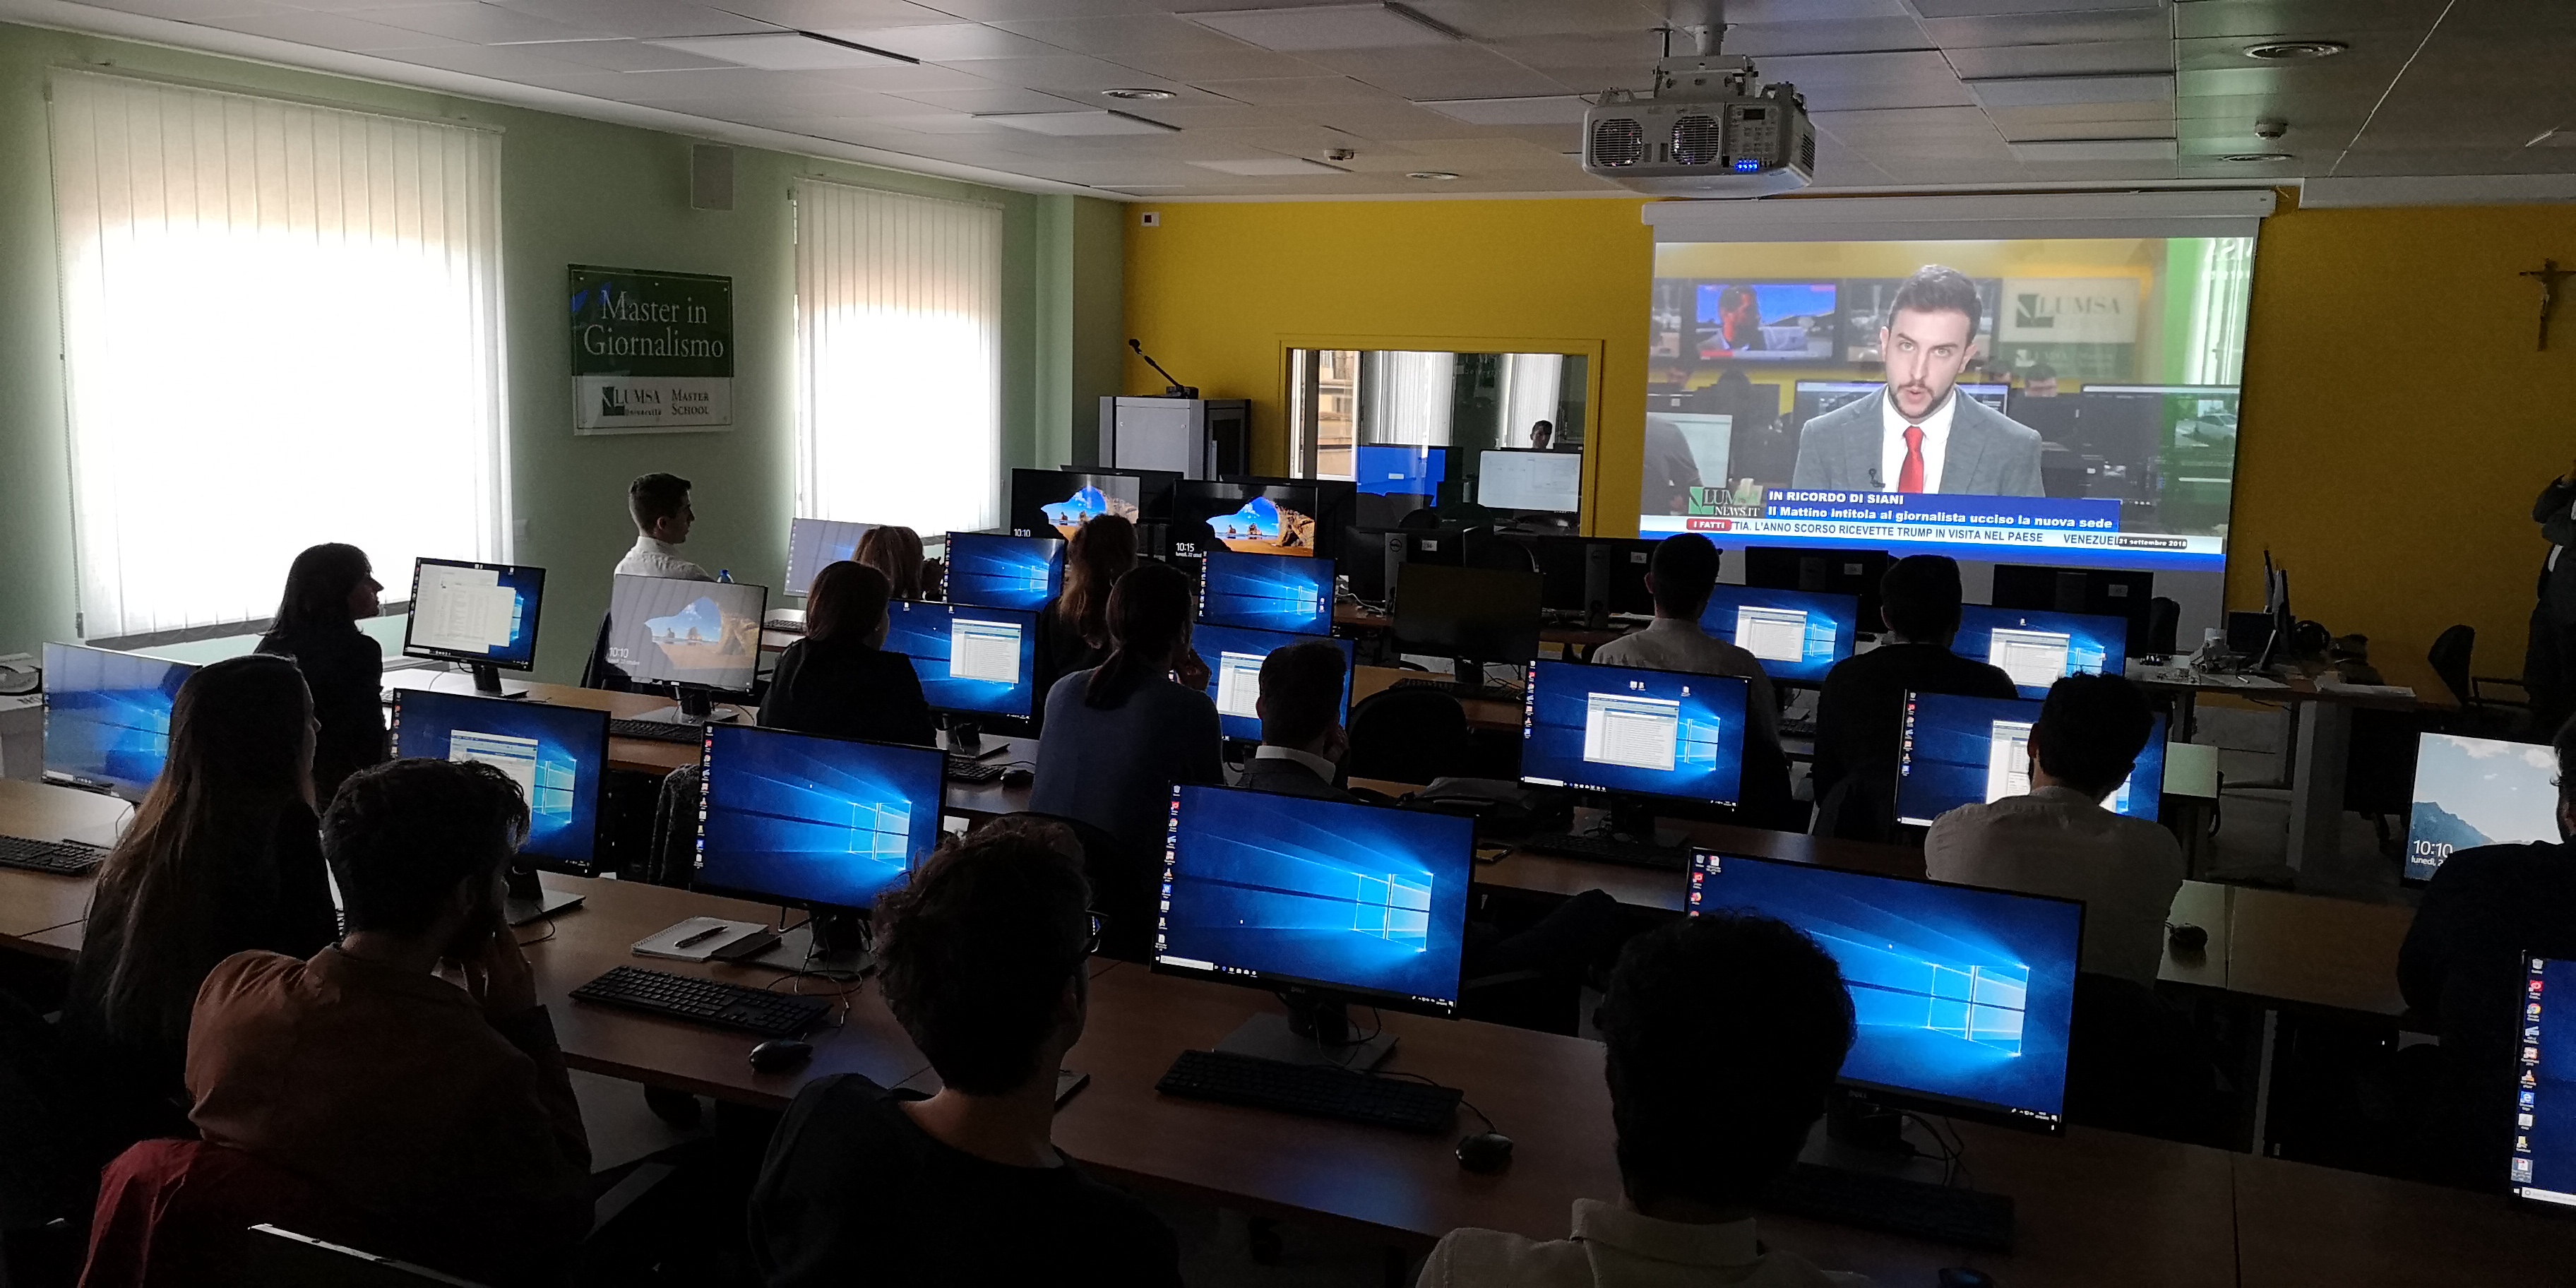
708,933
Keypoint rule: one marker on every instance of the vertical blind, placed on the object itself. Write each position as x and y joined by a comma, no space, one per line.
898,330
282,326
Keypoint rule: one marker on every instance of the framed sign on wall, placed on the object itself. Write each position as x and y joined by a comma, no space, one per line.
651,352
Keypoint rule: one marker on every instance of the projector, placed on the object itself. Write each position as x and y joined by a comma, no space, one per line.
1702,132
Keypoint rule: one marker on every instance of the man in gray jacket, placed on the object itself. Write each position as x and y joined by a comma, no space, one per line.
1918,435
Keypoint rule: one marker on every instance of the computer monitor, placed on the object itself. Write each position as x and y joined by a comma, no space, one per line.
1471,614
816,544
1519,478
1271,592
1392,469
558,756
481,614
1334,900
107,717
1631,731
2038,649
816,822
2478,791
1234,655
2100,592
1856,573
1965,751
1588,572
980,660
1797,635
1962,997
1063,499
704,634
2542,1165
1267,518
993,571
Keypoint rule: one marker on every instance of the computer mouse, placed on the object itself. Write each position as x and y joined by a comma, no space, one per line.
2190,939
1017,778
780,1053
1485,1152
1963,1277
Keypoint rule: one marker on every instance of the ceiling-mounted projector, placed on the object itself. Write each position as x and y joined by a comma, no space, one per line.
1703,131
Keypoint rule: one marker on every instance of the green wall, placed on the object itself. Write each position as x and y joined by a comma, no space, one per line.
572,191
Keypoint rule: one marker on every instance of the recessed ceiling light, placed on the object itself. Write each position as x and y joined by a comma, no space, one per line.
1074,124
2278,51
1134,92
786,51
2251,157
1435,176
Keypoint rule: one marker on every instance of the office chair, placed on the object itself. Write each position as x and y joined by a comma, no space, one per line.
2479,710
672,857
1410,736
1482,548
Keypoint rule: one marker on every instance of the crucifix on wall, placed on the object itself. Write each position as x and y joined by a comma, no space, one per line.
2548,275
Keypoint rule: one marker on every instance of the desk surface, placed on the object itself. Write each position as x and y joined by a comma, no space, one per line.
1368,681
34,902
2316,951
639,755
2303,1226
2417,674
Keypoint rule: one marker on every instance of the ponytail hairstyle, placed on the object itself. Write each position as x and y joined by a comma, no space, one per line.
1103,549
1149,622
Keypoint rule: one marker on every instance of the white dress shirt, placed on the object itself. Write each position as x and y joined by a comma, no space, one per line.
2056,841
1324,769
1613,1247
1671,644
1936,440
651,558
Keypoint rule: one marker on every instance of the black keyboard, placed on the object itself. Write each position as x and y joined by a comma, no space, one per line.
1463,692
705,1001
656,730
962,770
1314,1089
1919,1209
64,858
1603,849
1798,729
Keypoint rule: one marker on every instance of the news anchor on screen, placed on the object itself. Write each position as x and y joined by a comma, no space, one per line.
1920,435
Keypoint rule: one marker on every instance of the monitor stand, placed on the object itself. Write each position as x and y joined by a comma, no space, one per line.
1315,1030
1632,818
527,901
835,943
487,682
696,706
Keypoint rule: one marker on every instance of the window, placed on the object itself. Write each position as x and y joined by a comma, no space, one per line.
898,340
281,327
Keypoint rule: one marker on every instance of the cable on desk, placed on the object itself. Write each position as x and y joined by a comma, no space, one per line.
1463,1101
531,943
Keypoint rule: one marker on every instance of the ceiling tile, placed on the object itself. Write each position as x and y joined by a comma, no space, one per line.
1849,36
1067,73
1379,120
1277,91
1237,116
2004,8
992,98
2049,28
1317,27
1852,82
331,31
1109,37
946,42
944,123
1493,20
779,51
816,15
2305,19
1268,167
1492,82
1014,10
1202,66
1560,109
1634,49
1765,11
644,19
197,10
624,56
1293,140
479,24
2091,58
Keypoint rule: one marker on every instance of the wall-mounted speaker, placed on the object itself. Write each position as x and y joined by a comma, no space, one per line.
710,177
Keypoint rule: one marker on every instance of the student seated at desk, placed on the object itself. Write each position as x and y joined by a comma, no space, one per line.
441,1113
223,856
659,504
1302,741
1073,628
1861,713
328,589
2461,971
839,680
1681,579
2058,840
985,961
896,552
1724,1035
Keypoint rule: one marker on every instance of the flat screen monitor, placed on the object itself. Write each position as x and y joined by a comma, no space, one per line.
1520,479
1963,997
2478,791
107,716
1063,499
2102,592
816,544
557,755
1481,614
1796,635
1361,901
2542,1166
1386,469
817,822
1247,518
2038,649
1267,591
1579,569
664,630
1966,751
1234,655
1857,573
481,614
993,571
982,660
1764,321
1633,731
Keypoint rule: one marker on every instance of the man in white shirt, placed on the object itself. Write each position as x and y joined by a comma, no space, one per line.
660,504
1302,740
1681,578
2058,840
1705,1119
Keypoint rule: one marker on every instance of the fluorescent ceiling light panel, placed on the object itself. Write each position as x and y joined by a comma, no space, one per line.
1560,109
1270,165
1077,124
1329,26
2067,91
2097,150
783,51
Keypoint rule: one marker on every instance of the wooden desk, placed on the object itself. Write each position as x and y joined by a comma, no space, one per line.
1482,713
2314,951
638,755
34,902
2303,1226
2204,904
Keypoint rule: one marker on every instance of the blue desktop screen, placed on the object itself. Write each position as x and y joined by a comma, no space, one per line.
2542,1165
107,716
1623,729
557,755
992,571
1959,993
1966,751
1283,889
814,820
1234,655
1795,634
1383,470
2038,649
1272,592
474,612
969,659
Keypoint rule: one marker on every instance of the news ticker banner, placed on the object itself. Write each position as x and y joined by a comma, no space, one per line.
2073,531
651,352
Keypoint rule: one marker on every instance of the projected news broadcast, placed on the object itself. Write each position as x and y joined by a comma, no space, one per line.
2069,402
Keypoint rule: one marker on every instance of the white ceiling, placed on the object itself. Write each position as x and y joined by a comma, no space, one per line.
2427,87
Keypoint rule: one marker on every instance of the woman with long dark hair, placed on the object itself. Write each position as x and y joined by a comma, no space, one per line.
1073,629
839,679
224,856
328,589
896,552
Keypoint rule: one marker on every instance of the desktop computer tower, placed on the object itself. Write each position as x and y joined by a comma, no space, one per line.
1199,438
